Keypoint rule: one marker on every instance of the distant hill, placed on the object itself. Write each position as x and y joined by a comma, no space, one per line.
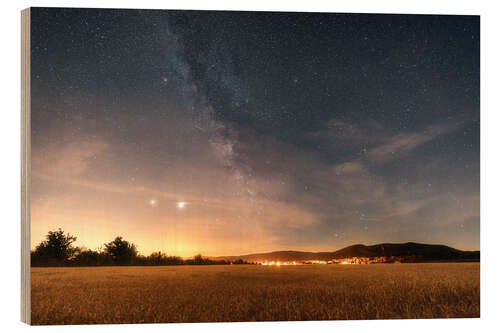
408,251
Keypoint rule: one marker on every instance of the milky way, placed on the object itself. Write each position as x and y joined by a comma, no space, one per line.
240,132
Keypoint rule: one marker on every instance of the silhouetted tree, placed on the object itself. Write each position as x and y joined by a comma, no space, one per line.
198,260
239,262
156,258
174,260
87,257
121,251
56,249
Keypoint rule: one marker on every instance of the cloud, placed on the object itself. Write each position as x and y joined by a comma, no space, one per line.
390,148
344,138
67,158
402,144
337,130
352,167
348,194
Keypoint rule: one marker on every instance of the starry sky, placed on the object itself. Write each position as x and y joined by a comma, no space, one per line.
229,133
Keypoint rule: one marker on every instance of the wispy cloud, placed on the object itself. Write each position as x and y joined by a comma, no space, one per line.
68,158
401,144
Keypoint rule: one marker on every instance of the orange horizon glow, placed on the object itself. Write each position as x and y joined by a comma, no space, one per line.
78,185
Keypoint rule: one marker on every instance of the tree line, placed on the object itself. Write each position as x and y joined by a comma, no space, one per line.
58,250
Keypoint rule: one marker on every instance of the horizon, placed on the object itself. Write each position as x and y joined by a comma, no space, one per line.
253,136
83,247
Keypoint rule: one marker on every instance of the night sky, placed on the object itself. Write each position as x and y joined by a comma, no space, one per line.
239,132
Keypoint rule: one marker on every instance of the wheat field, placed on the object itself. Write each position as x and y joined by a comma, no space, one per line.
98,295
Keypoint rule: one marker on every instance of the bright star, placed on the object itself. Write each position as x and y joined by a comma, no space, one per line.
181,204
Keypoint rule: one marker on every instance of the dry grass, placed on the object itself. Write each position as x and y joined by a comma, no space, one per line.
247,293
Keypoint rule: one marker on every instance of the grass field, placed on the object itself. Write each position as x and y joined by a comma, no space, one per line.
247,293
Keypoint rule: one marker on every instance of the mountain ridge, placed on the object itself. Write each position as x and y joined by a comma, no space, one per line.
409,251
